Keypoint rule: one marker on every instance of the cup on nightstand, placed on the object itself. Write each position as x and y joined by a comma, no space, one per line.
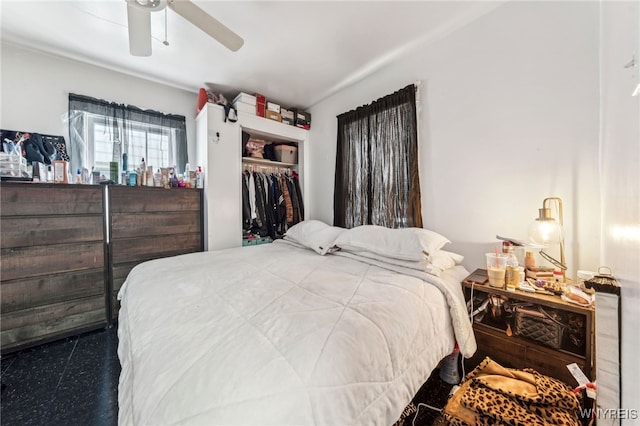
496,268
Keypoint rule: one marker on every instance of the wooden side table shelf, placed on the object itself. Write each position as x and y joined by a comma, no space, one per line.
519,352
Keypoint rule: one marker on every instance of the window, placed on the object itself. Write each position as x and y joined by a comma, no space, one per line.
100,132
153,143
376,181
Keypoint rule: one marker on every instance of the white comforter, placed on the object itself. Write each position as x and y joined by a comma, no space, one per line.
277,334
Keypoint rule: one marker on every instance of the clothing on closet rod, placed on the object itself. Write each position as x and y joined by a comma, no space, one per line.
271,203
288,204
296,182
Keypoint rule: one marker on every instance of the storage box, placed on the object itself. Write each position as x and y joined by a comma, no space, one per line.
288,116
13,166
287,113
303,119
271,106
261,105
255,241
244,107
273,115
286,153
245,98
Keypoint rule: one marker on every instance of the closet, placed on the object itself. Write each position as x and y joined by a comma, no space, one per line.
272,199
219,149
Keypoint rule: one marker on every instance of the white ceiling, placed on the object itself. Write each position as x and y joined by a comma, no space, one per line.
294,52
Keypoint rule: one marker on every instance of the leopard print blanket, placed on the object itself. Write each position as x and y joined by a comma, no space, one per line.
494,395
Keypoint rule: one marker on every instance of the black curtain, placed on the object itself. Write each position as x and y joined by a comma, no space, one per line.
119,117
376,180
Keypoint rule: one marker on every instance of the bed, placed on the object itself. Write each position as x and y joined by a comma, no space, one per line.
283,334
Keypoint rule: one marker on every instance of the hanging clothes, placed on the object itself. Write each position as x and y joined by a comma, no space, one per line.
261,224
296,181
271,203
246,204
280,209
252,196
294,200
287,200
268,207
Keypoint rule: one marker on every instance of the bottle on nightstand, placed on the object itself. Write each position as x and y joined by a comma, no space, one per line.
529,260
512,273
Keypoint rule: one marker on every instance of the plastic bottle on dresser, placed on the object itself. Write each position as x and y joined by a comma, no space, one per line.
512,273
199,178
142,173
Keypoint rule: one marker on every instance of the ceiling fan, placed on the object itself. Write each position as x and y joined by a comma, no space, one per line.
139,23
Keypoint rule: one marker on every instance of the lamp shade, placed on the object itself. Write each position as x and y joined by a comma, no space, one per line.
545,230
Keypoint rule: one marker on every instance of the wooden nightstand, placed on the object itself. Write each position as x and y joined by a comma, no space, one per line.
519,352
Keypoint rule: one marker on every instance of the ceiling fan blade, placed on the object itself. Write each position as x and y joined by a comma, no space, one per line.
207,23
139,23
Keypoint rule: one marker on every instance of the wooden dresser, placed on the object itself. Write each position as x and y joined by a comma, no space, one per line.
64,254
149,223
52,262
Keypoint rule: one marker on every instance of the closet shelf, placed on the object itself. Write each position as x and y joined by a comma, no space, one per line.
267,162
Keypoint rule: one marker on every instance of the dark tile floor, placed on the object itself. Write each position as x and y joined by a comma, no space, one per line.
69,382
75,382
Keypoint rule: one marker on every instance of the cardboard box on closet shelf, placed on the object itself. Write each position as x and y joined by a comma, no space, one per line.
244,107
261,105
272,106
288,116
303,119
286,153
273,115
245,98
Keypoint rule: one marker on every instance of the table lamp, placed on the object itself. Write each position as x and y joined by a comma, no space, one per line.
546,230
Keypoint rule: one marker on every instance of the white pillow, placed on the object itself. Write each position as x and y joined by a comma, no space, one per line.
441,261
403,243
444,260
422,265
315,235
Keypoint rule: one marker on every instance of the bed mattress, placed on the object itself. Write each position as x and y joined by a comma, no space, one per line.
277,334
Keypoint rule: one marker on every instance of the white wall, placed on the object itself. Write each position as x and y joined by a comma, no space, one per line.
35,89
620,178
509,116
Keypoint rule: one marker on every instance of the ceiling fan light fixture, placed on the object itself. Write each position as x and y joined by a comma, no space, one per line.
139,24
